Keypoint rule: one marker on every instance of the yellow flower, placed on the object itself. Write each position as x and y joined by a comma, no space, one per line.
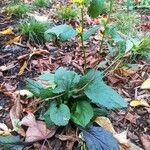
81,2
79,29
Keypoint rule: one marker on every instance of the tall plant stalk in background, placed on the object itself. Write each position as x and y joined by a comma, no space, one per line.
80,30
105,25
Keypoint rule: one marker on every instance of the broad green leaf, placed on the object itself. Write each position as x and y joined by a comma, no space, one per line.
89,78
38,90
47,118
34,87
60,115
65,80
62,32
48,77
96,8
11,142
100,112
90,31
97,138
82,113
46,93
102,94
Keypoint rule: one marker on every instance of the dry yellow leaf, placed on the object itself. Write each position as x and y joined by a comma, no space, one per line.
22,69
7,31
14,40
105,123
146,84
135,103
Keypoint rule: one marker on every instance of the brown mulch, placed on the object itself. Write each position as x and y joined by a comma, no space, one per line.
135,120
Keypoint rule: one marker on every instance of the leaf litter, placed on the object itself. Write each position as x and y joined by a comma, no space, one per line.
128,82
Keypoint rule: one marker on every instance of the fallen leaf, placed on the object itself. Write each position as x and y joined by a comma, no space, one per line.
22,69
105,123
124,143
145,139
7,31
14,40
15,112
8,66
132,118
4,130
146,84
37,130
29,120
135,103
122,138
24,93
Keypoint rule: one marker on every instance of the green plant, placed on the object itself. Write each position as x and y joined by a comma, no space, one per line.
142,47
126,22
17,9
67,12
41,3
62,33
33,30
71,96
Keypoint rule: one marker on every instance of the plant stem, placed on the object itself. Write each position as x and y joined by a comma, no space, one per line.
105,25
82,41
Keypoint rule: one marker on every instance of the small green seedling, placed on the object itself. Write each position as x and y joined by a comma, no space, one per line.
126,22
41,3
17,9
33,30
67,12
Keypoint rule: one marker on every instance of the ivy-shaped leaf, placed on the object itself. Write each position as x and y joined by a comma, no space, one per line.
65,80
60,114
82,113
96,8
97,138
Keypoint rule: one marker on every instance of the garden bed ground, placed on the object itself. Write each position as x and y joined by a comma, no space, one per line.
136,121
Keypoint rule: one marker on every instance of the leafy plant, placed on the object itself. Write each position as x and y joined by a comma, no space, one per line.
41,3
142,47
61,32
73,96
67,12
126,22
96,8
17,9
33,30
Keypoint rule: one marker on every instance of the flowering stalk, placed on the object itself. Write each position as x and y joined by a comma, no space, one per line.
80,30
105,26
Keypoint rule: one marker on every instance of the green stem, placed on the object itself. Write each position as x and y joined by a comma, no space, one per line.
105,25
82,41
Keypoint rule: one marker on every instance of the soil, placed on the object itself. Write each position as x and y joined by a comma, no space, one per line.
135,120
